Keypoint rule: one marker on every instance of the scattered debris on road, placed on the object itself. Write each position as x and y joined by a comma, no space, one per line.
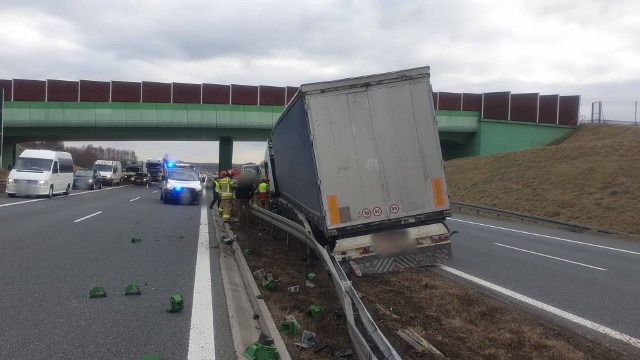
177,303
290,268
97,291
132,289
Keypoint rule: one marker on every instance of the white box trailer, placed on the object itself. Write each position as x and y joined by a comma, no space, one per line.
361,158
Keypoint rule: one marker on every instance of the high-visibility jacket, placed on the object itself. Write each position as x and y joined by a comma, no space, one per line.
216,186
226,188
263,187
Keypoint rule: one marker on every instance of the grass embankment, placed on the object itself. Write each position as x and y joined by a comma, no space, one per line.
591,178
462,322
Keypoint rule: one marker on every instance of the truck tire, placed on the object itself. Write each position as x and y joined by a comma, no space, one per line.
50,195
11,195
68,190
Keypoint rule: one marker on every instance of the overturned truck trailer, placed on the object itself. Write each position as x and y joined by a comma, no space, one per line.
361,158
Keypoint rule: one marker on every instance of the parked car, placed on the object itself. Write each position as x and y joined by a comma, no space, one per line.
41,172
87,179
141,178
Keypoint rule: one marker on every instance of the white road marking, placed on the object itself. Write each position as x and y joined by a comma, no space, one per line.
95,191
201,336
88,216
22,202
153,192
60,197
134,199
548,236
550,257
553,310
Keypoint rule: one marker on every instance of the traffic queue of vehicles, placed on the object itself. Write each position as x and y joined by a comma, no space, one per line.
46,173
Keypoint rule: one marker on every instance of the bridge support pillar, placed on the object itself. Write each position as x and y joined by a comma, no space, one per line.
9,155
225,154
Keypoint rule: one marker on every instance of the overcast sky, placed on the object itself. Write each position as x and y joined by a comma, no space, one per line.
584,47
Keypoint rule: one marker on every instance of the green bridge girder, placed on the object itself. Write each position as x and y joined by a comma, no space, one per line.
462,133
31,120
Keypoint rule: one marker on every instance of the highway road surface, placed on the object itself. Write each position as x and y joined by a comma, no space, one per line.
53,250
593,277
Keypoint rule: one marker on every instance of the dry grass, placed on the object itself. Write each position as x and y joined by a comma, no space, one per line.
592,178
464,323
4,174
288,266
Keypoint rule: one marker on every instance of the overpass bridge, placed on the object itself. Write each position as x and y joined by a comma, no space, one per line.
469,124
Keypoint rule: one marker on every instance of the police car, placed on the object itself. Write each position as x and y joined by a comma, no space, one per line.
180,183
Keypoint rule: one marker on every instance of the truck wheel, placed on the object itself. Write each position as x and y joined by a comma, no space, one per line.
50,195
68,190
11,195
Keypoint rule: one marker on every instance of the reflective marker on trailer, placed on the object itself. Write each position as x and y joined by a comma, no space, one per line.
334,211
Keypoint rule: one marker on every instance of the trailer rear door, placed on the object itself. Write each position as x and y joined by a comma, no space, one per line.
377,151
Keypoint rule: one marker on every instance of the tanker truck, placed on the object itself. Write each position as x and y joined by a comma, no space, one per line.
360,158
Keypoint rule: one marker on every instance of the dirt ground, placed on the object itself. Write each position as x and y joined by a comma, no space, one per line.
288,266
462,322
591,178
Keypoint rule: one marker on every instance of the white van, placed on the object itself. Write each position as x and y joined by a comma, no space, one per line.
110,171
41,172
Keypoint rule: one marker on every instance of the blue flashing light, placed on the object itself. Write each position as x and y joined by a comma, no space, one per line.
178,188
171,164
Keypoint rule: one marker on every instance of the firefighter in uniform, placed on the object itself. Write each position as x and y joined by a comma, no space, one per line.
226,195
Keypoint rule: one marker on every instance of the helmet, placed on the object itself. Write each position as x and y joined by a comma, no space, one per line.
231,172
223,174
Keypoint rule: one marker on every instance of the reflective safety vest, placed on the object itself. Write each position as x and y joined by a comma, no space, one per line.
263,187
216,186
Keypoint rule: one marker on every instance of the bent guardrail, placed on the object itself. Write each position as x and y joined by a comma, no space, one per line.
348,296
534,218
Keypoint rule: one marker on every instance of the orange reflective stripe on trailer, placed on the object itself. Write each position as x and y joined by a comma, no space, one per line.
439,198
334,211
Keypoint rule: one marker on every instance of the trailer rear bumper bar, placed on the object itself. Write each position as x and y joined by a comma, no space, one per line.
422,256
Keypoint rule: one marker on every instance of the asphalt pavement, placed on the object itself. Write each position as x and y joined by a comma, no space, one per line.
53,250
594,277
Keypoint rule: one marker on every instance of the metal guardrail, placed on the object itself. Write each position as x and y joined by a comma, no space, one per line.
348,296
533,218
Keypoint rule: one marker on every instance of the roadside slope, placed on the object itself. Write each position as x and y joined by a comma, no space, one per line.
591,178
